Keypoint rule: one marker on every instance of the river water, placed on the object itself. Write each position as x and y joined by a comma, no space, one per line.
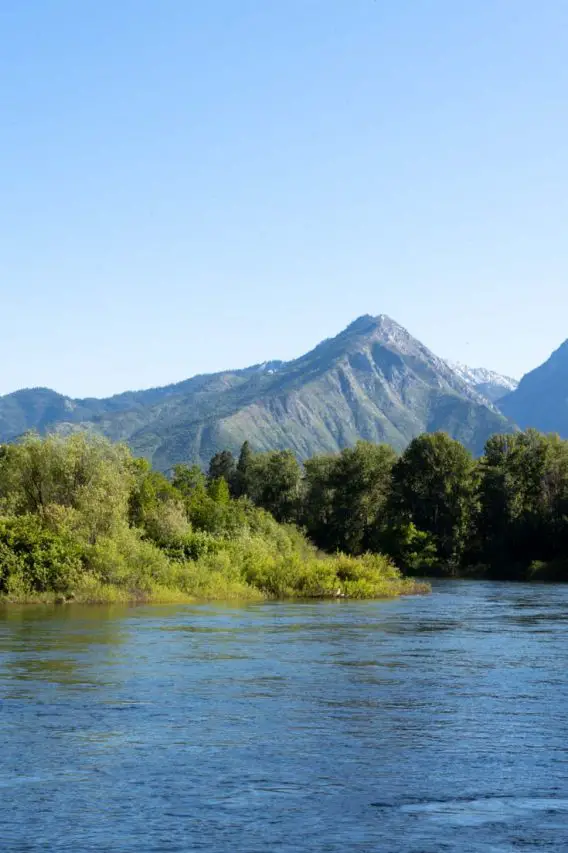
414,726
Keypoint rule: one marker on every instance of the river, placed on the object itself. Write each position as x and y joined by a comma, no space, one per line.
419,725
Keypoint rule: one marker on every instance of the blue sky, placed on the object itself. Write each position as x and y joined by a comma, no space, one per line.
189,186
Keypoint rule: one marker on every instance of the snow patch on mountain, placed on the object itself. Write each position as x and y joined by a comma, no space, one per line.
488,383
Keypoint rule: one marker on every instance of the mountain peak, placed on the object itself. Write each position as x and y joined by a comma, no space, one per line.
373,381
368,322
382,327
363,324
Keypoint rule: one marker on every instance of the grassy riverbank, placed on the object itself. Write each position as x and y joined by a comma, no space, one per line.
244,569
92,591
82,520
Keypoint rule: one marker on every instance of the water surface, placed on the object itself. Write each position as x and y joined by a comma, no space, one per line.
418,726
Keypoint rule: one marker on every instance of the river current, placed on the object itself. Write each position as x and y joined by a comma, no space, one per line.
419,725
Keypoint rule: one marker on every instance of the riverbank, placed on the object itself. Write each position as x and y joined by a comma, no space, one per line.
82,520
213,586
538,571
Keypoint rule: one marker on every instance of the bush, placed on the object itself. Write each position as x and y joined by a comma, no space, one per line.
35,559
129,561
193,546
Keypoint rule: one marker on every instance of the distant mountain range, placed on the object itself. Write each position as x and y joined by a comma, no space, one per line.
372,381
541,399
493,386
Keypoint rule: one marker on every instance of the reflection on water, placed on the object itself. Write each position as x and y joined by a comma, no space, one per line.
421,725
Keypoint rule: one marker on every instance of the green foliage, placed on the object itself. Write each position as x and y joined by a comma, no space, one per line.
318,497
33,559
523,493
187,479
434,488
274,482
242,478
128,561
149,490
412,549
156,506
222,466
82,473
346,497
435,510
81,518
194,546
369,576
218,491
361,481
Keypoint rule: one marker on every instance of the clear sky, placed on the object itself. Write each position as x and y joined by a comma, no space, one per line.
187,186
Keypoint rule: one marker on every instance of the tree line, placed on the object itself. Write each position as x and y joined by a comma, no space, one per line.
434,509
82,518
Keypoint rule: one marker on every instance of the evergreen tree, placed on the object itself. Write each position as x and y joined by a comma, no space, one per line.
222,464
243,473
218,490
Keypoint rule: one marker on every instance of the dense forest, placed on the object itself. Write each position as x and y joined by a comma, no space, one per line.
82,519
435,509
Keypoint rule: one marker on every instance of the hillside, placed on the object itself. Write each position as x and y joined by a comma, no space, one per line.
541,400
372,381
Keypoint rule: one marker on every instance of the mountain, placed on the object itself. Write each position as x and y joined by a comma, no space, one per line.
372,381
541,400
493,386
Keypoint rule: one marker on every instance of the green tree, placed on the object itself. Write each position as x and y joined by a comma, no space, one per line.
218,491
81,482
412,550
523,498
360,482
318,496
149,490
433,487
274,482
187,479
222,464
243,473
36,559
156,506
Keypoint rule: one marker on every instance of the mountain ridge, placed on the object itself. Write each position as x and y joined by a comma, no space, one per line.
541,398
373,380
490,384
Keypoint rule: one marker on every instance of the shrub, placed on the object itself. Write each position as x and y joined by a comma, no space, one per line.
36,559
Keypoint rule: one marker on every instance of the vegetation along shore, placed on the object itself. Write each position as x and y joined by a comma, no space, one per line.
82,519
